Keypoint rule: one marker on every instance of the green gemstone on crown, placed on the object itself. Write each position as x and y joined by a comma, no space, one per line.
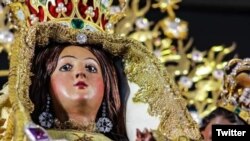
237,110
77,23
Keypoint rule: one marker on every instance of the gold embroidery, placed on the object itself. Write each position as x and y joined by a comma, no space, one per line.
91,127
84,138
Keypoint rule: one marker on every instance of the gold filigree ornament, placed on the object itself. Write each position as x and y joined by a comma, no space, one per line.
235,96
154,101
199,74
6,36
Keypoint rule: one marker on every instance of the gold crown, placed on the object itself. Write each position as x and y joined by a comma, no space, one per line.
93,15
235,96
80,14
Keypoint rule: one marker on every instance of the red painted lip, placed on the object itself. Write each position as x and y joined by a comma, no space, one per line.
81,84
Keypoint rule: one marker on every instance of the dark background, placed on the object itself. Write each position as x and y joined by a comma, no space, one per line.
215,22
211,22
218,22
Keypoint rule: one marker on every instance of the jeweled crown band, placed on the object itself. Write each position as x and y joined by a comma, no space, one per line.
80,14
235,96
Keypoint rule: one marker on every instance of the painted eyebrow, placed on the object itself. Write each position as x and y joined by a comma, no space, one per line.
70,56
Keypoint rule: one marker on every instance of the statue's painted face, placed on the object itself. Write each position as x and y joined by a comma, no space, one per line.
77,81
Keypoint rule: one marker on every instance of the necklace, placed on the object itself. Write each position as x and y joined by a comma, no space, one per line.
89,127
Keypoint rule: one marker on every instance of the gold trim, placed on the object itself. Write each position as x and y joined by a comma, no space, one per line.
4,73
73,135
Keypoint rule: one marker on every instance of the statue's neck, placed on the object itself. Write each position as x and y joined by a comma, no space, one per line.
84,123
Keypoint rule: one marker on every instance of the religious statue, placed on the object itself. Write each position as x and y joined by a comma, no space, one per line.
72,79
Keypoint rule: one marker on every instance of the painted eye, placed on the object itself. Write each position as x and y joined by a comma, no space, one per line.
91,68
66,67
